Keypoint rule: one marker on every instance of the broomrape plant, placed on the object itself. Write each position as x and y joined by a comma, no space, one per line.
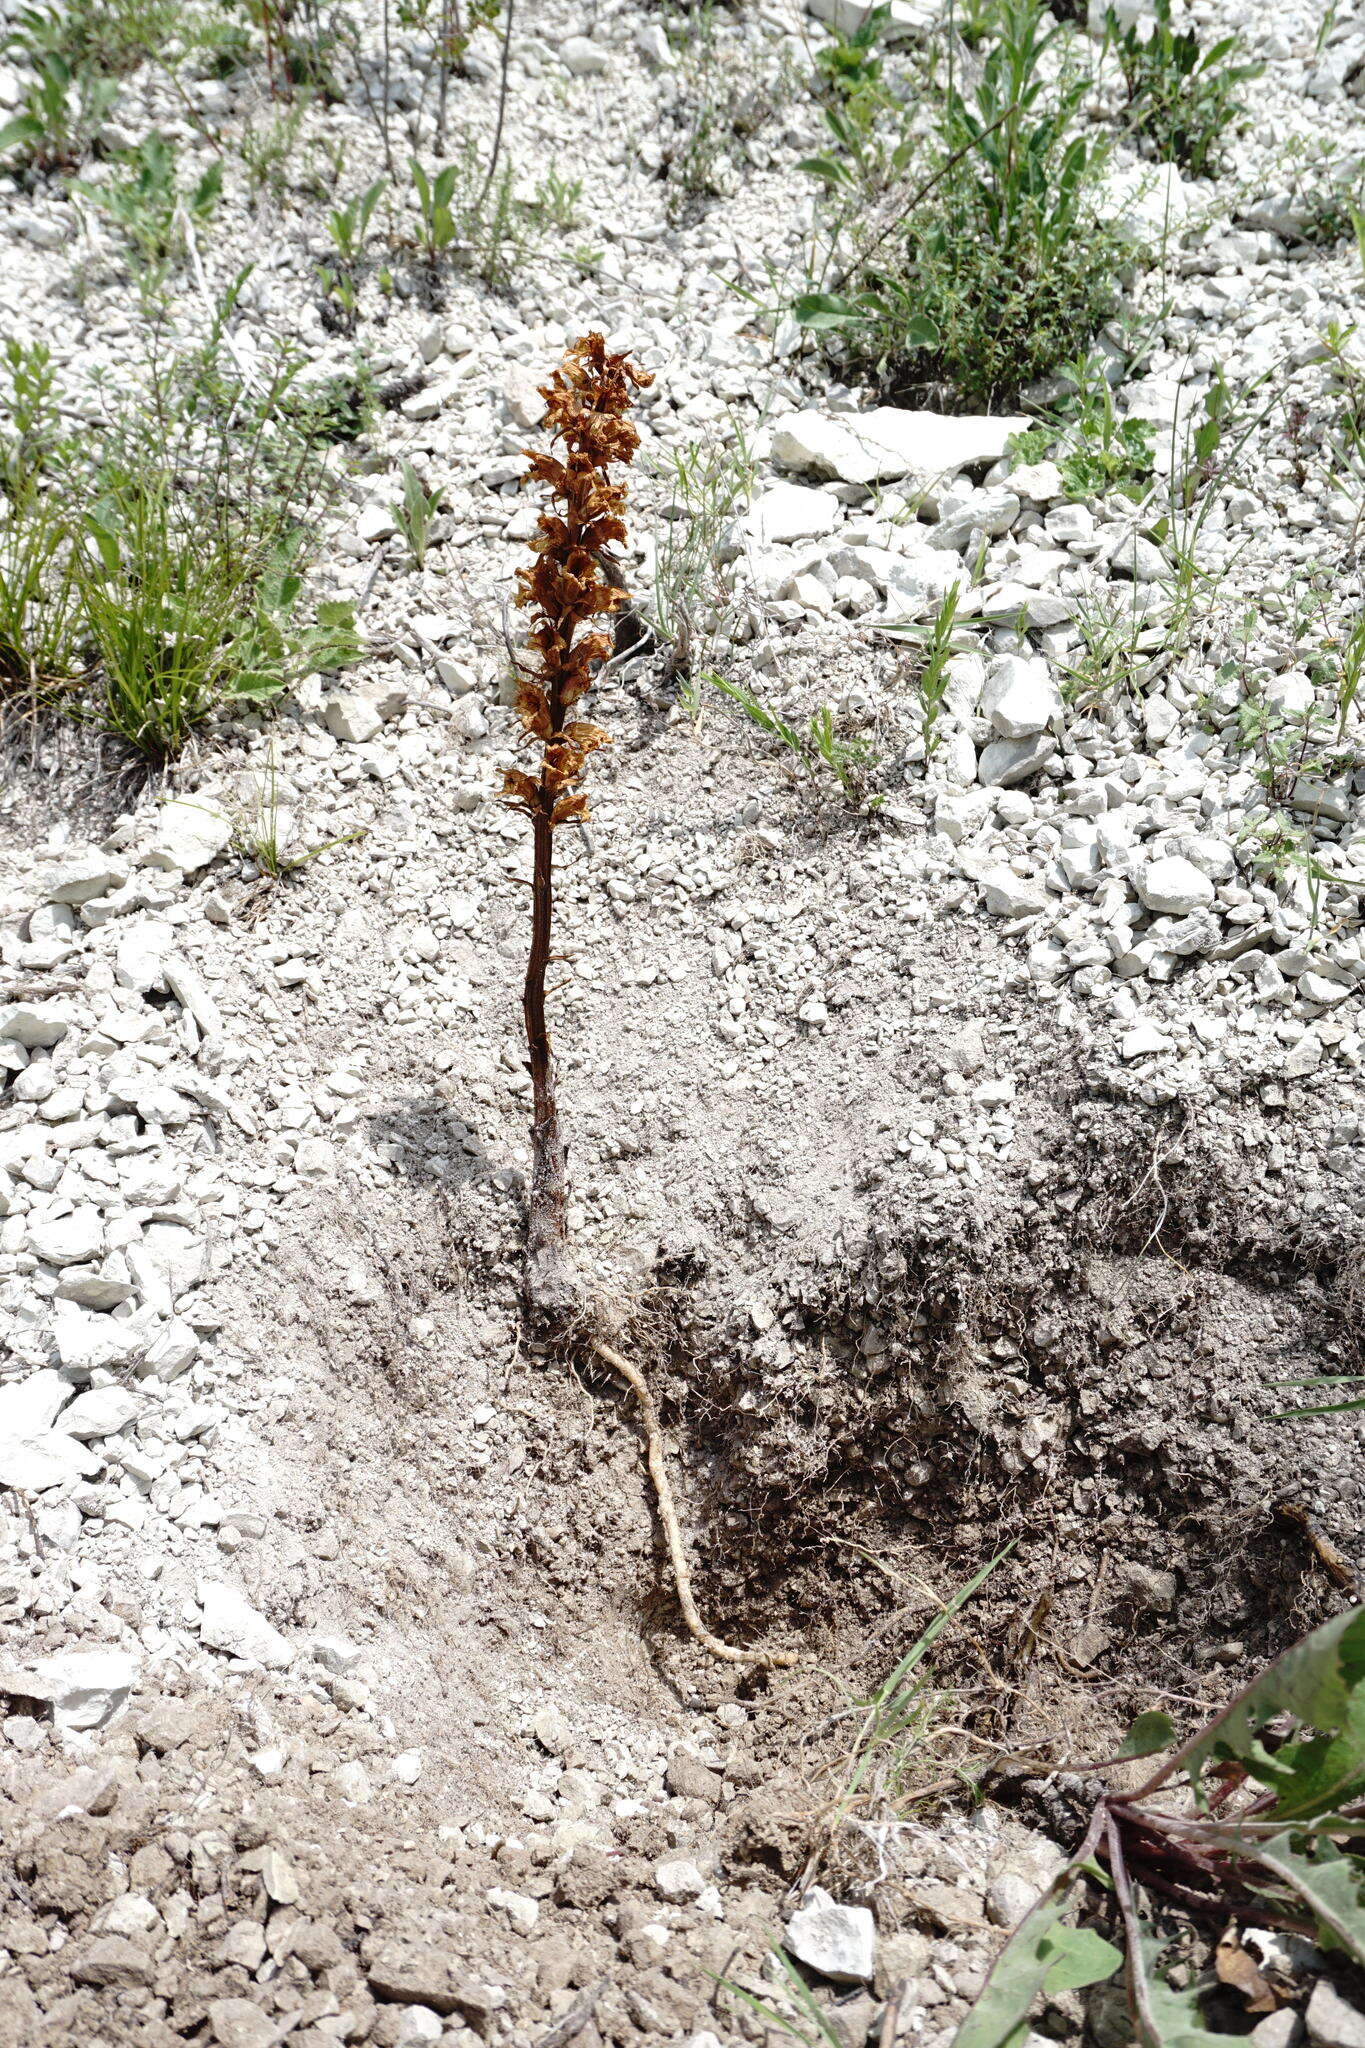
573,582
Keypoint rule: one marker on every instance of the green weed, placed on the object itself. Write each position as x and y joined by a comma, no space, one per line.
149,206
415,513
1265,1824
818,746
1182,97
997,269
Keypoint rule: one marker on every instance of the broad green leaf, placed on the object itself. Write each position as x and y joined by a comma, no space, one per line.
1149,1734
1082,1957
826,167
1165,2018
23,128
1329,1884
822,310
1321,1682
1041,1956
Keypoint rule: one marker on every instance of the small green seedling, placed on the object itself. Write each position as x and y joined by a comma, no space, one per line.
415,514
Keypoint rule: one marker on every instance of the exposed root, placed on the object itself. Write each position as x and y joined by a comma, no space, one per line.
668,1515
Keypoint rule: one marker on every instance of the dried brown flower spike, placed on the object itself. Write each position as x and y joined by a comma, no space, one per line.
586,403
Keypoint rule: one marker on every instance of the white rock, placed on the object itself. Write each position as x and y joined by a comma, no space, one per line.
521,393
1038,483
1142,1040
32,1404
377,522
787,512
678,1879
654,46
188,836
170,1352
351,717
889,441
1173,885
46,1459
1332,2021
139,962
1020,697
177,1254
468,720
583,57
1318,988
1010,895
84,1688
902,19
1004,764
101,1411
231,1623
67,1240
77,881
337,1655
840,1942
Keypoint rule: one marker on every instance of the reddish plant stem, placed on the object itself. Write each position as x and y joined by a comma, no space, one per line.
547,1233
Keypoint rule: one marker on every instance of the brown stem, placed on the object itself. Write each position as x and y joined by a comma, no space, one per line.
547,1233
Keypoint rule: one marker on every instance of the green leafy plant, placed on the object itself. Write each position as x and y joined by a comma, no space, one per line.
1100,452
349,224
39,624
997,268
266,151
1241,1821
266,836
62,107
1182,97
107,37
434,196
934,677
554,203
818,745
415,513
704,482
147,203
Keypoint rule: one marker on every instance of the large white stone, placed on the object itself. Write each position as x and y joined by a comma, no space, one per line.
67,1240
872,447
48,1458
1020,697
840,1942
33,1403
231,1623
1004,764
1010,895
176,1253
77,881
84,1688
101,1411
1173,885
787,512
189,834
140,961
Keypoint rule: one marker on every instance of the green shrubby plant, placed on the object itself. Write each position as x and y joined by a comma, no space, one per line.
998,268
1182,96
